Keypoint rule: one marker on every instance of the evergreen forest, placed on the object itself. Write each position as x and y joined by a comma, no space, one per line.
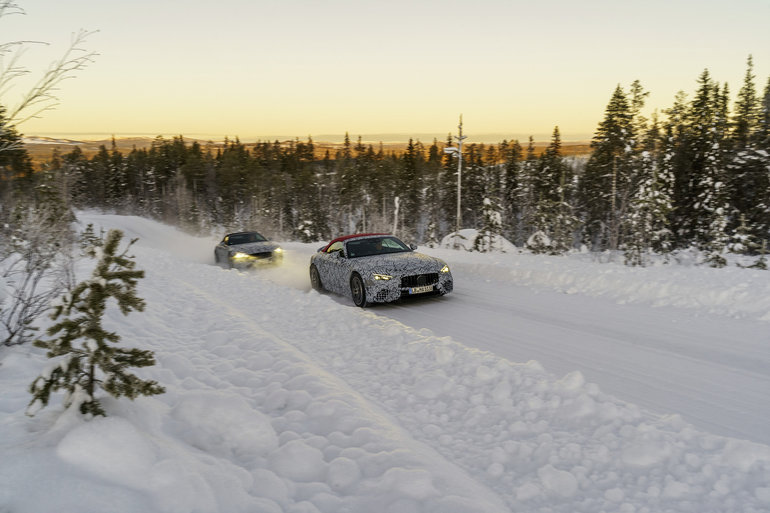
696,175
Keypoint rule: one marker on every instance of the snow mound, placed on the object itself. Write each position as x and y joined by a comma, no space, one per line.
466,239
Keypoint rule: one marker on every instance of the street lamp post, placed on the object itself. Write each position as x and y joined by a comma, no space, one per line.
459,151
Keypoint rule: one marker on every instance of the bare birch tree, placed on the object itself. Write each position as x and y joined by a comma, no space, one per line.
43,94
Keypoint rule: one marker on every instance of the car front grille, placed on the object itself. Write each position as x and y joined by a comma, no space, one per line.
264,254
418,280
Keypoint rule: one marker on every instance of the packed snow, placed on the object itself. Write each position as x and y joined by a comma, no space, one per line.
541,384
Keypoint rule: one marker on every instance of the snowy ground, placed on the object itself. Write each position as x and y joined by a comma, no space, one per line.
541,384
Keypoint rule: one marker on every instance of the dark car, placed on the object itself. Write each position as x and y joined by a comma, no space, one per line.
247,249
377,268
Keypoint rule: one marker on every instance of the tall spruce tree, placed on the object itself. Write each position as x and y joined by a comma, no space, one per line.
432,199
648,216
525,195
409,185
696,150
84,351
491,222
659,144
606,186
747,177
552,191
747,109
512,154
763,128
762,137
708,129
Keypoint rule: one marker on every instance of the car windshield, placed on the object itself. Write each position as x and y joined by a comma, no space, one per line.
375,246
244,238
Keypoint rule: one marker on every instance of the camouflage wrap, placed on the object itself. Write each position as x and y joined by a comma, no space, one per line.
386,277
264,252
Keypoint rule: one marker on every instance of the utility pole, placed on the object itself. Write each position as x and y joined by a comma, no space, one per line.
459,151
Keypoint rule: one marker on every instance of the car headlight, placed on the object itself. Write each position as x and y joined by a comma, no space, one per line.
278,250
239,255
445,269
382,277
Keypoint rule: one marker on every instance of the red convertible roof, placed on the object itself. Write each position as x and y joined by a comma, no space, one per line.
351,236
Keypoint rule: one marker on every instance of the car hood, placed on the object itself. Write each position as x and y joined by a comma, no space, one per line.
400,264
254,247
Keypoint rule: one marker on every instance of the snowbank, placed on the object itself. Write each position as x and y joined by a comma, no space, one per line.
734,291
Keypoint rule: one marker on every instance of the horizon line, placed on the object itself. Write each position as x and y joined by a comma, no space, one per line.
372,137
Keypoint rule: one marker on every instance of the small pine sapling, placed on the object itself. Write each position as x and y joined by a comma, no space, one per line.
487,238
86,357
761,263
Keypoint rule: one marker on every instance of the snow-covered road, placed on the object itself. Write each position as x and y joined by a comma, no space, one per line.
712,369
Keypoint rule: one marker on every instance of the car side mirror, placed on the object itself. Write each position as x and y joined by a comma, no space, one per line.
413,246
341,254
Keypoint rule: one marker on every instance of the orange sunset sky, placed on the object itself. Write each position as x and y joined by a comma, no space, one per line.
258,69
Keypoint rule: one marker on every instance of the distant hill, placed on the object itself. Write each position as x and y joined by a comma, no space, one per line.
41,148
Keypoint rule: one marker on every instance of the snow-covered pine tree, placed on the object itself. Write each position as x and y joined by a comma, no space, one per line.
743,241
553,189
761,262
748,179
606,185
311,224
488,237
647,224
409,178
763,125
492,174
762,137
431,235
524,196
474,184
663,236
709,122
747,109
512,157
539,242
564,220
113,166
431,198
85,353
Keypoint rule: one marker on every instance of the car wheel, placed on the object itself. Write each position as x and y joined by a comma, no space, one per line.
358,291
315,279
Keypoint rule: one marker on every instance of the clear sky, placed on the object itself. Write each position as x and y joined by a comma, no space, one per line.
263,68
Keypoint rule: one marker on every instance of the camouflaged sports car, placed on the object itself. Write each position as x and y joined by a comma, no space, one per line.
247,249
377,268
